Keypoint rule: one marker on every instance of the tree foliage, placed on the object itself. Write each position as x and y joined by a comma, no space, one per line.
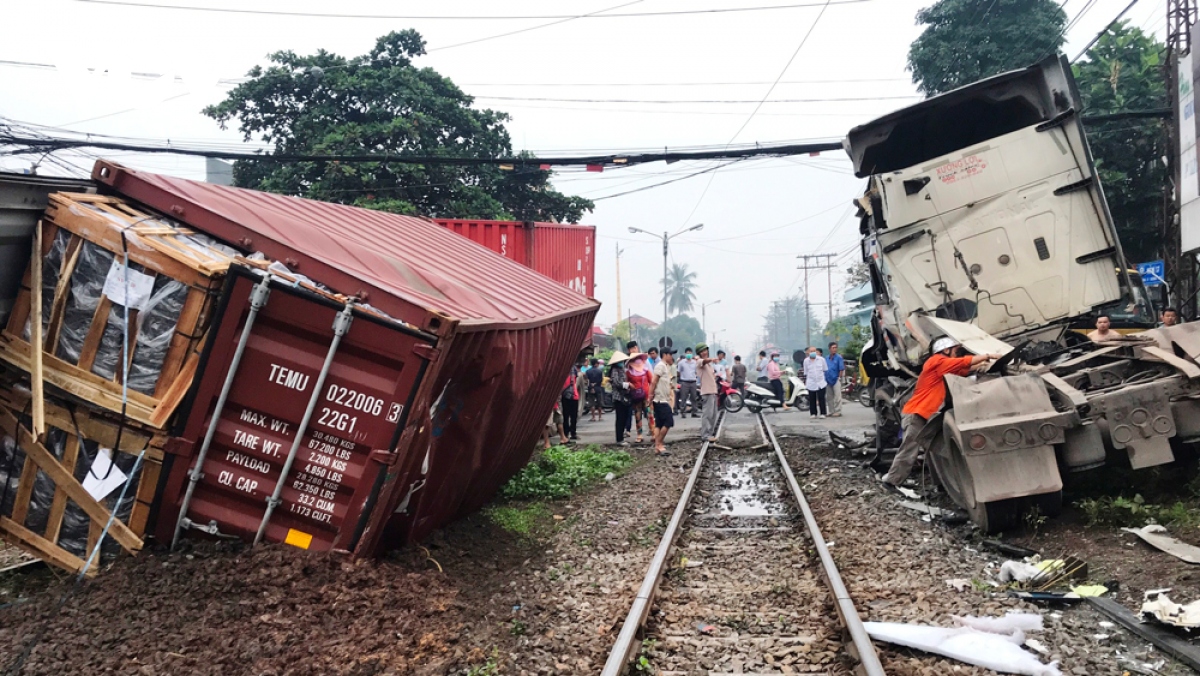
681,288
849,335
1122,72
381,103
684,331
968,40
785,327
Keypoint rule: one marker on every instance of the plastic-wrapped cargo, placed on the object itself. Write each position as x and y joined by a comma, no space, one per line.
563,252
448,361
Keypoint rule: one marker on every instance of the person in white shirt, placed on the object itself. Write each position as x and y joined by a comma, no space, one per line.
761,366
814,382
720,367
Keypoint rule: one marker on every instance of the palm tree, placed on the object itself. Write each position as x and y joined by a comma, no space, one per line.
681,288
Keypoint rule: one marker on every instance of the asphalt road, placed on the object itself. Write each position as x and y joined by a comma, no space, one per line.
741,425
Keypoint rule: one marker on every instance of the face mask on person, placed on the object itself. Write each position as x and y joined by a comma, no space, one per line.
775,359
687,355
812,355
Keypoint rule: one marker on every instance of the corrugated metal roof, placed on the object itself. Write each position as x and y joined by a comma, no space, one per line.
351,249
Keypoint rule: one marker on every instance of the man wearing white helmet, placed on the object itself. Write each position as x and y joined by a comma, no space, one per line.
927,398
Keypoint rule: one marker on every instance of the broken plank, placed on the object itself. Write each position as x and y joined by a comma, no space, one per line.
1166,641
35,335
65,480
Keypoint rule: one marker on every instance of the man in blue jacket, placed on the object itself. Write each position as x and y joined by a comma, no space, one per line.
833,380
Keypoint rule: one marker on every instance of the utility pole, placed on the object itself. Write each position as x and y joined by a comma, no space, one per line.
619,252
827,265
1181,16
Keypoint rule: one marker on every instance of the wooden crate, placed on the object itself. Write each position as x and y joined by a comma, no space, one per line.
45,540
163,248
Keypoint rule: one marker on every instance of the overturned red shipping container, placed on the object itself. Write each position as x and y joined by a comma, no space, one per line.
564,253
327,425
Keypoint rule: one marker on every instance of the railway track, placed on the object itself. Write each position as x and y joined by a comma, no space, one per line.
742,581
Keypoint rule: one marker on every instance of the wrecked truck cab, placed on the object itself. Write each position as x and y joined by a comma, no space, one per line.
984,219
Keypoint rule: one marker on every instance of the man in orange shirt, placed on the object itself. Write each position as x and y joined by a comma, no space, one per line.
927,399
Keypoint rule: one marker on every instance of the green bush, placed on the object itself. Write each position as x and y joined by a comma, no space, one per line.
1135,511
560,470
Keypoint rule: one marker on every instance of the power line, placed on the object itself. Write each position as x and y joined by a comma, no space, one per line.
531,28
803,41
760,102
1103,31
499,17
36,144
668,84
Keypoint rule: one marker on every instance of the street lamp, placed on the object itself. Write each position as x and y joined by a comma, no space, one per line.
666,238
703,319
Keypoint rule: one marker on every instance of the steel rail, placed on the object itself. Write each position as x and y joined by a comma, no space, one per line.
627,641
862,648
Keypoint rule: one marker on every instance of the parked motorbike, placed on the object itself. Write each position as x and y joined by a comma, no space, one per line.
759,396
853,390
728,397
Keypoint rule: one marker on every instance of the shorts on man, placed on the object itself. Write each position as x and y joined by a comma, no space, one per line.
663,415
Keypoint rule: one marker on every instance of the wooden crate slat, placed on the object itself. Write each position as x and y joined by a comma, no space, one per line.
107,236
20,508
181,342
86,386
147,485
58,506
40,547
118,372
176,392
91,342
94,529
93,426
20,311
37,385
65,480
61,293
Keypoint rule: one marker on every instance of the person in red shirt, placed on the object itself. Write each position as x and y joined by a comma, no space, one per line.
927,398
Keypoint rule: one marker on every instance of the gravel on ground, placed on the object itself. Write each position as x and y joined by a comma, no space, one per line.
900,568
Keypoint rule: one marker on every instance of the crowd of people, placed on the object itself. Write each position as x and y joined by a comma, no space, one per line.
648,390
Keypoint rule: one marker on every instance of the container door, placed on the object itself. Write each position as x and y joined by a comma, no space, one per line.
351,436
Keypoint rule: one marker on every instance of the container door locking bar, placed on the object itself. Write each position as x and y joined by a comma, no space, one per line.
341,325
258,299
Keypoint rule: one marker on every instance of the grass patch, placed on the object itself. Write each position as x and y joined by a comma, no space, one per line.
1136,511
561,470
519,520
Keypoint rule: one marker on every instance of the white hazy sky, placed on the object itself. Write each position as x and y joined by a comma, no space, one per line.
758,215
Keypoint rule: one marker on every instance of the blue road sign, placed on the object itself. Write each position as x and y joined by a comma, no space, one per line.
1152,273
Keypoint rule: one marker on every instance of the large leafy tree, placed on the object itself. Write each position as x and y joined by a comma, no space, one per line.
680,288
792,324
684,331
968,40
1124,72
381,103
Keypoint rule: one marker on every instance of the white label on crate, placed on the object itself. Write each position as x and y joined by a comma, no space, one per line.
139,286
104,477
